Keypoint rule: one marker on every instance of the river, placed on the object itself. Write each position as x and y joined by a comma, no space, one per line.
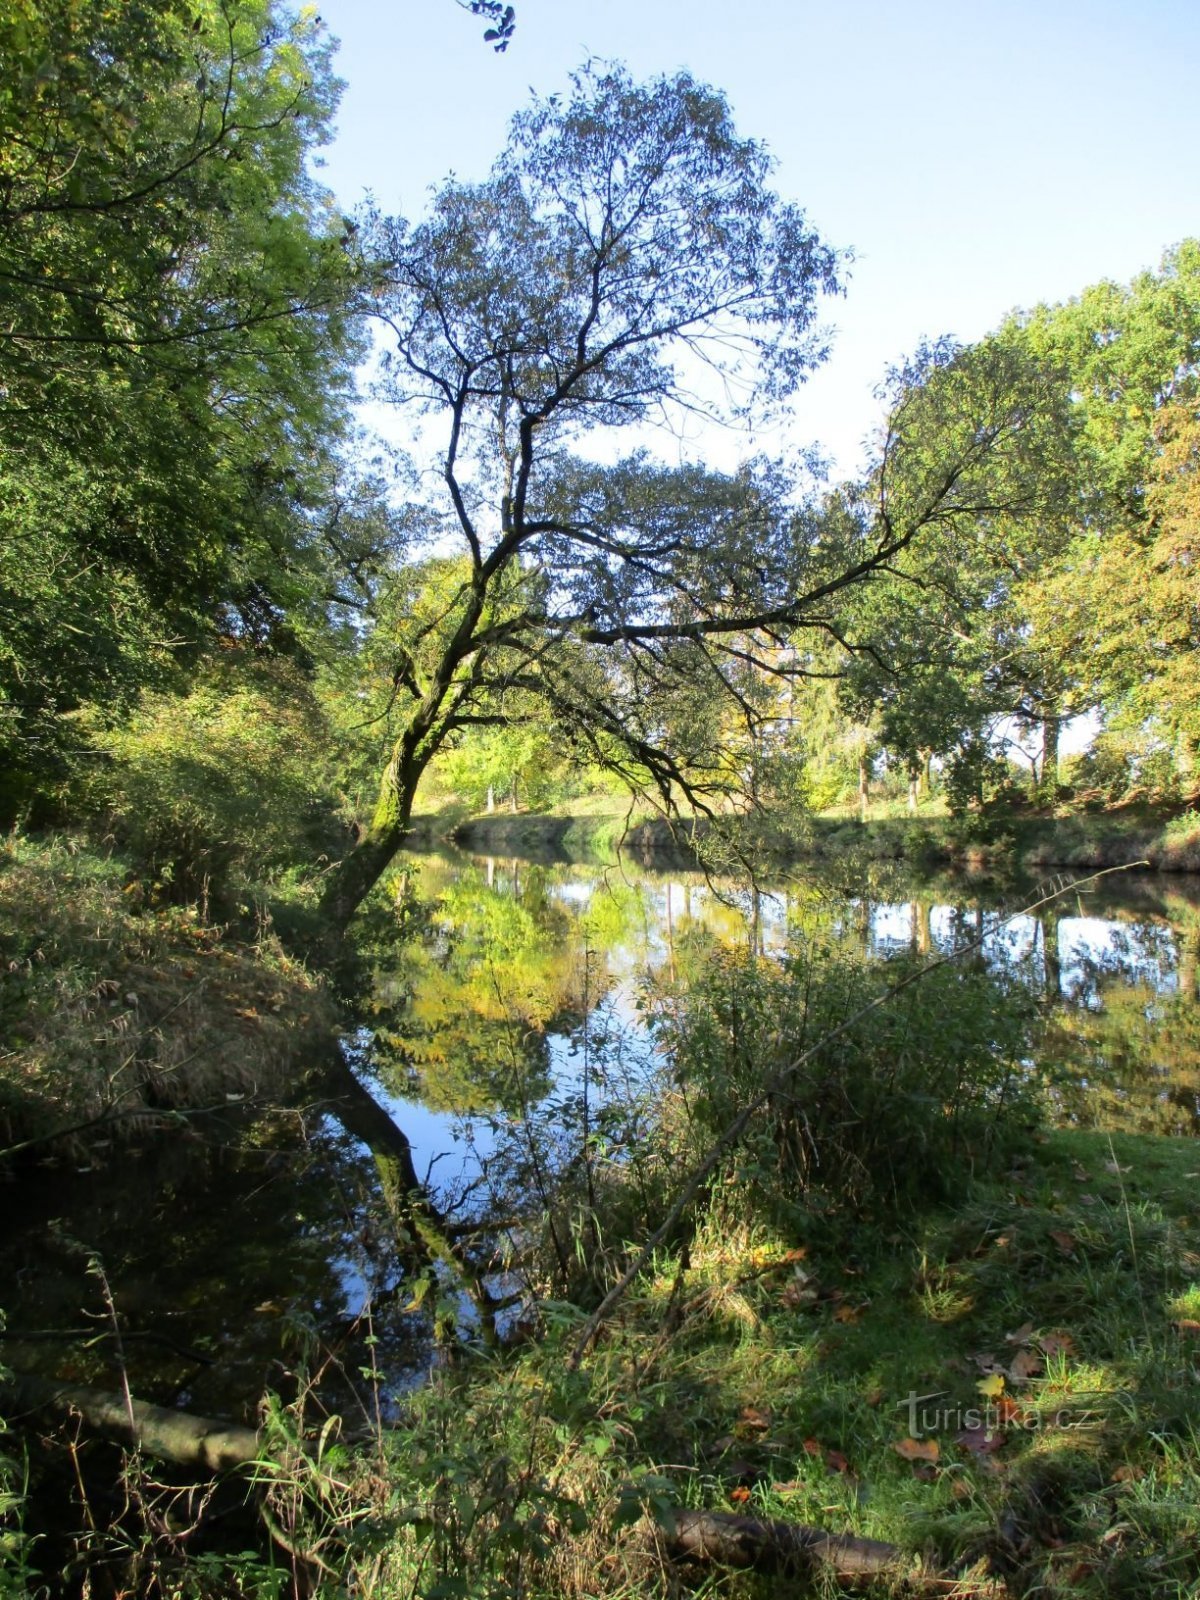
500,1026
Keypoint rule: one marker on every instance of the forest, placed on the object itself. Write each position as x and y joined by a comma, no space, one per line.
672,842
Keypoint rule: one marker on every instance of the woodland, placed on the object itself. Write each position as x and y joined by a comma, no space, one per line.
249,655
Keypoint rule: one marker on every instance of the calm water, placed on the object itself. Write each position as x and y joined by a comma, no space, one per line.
502,1010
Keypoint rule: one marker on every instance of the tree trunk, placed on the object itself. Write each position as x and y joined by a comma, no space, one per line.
158,1430
1050,729
863,789
770,1545
491,800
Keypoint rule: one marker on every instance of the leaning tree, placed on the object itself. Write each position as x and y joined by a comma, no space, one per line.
626,262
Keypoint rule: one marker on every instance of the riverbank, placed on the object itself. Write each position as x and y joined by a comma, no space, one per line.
1020,842
120,1014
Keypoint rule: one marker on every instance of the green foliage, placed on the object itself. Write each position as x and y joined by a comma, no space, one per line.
174,352
217,787
15,1573
908,1101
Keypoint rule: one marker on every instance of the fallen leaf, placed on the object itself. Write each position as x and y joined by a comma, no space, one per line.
740,1495
986,1362
1065,1241
813,1447
979,1441
1187,1328
992,1387
836,1461
791,1487
752,1420
1023,1334
1080,1174
848,1313
874,1397
1127,1472
917,1449
795,1295
1008,1409
1026,1364
1057,1344
925,1472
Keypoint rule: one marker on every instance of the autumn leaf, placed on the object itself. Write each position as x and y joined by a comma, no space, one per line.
1057,1344
797,1294
1127,1472
848,1313
1026,1364
1187,1328
836,1461
1023,1334
740,1495
979,1441
813,1447
992,1388
1065,1241
917,1449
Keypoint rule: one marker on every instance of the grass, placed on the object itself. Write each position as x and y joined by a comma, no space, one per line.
1006,1390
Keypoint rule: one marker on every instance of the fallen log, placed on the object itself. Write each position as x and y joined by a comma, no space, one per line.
769,1545
160,1431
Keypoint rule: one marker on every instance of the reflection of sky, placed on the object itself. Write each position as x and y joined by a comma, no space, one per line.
1086,949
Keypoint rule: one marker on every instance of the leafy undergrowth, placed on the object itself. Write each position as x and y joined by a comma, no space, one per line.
1007,1391
114,1009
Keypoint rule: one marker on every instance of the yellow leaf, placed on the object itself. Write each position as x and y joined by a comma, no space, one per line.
917,1449
992,1387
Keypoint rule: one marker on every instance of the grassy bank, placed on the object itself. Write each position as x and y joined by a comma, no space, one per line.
118,1012
1004,1390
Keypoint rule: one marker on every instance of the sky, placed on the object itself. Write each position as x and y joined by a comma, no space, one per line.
975,156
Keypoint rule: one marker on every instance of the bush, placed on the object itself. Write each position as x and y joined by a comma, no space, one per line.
905,1103
217,786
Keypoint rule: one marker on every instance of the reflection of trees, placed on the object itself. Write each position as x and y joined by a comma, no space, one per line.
465,1009
1133,1061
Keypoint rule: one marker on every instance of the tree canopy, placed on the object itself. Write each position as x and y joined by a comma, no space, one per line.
175,343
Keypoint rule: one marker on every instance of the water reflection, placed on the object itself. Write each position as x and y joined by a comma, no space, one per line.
523,969
503,1045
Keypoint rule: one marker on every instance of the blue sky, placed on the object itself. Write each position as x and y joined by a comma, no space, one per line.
975,156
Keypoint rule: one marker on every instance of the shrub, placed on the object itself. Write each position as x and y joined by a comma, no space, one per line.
218,785
905,1102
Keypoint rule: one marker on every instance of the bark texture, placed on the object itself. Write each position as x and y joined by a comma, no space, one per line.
769,1545
161,1431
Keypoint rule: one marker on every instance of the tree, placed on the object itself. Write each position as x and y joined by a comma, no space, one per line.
173,346
625,261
